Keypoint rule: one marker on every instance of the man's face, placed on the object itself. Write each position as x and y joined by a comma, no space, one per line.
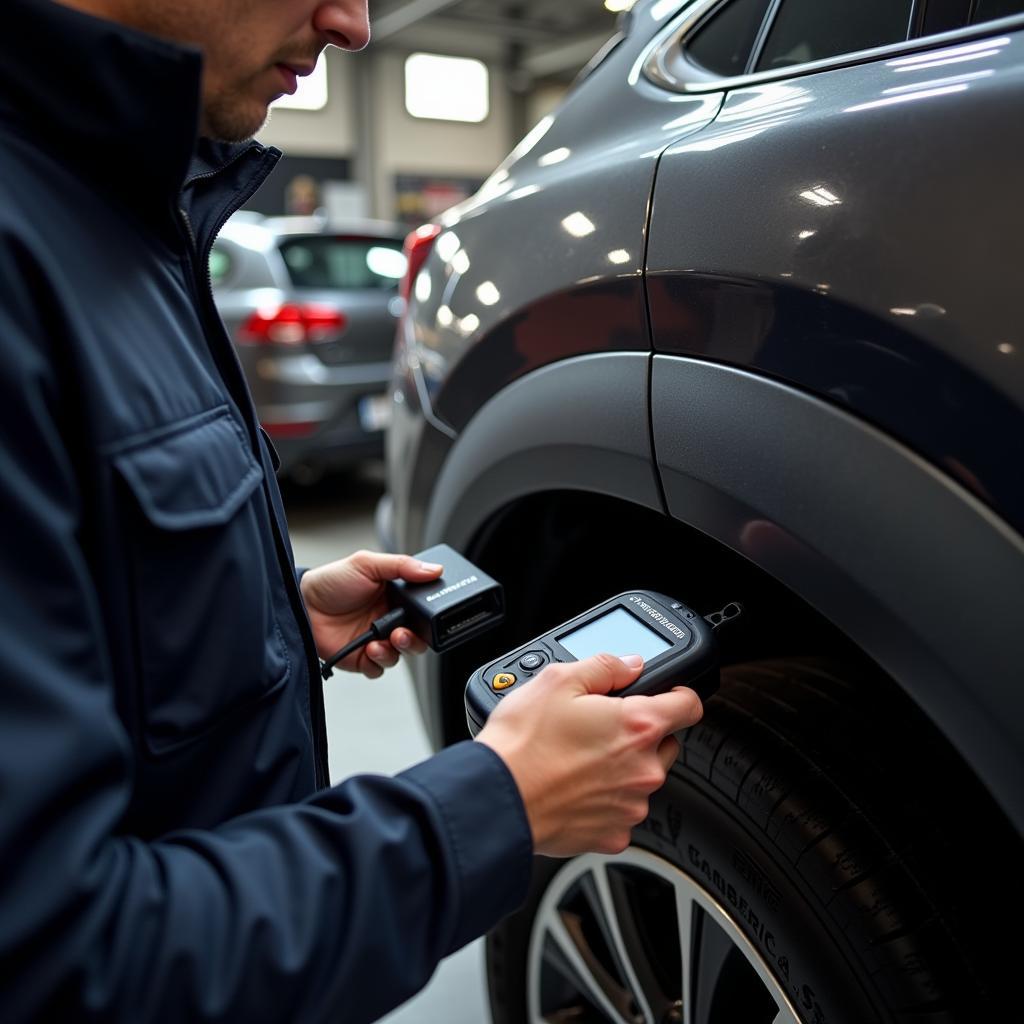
253,49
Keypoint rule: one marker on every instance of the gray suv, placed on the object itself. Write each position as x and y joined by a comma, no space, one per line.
311,307
740,321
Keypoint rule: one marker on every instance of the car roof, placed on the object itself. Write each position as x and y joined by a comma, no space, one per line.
254,231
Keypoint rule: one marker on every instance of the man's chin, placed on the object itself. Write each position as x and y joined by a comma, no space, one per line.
233,123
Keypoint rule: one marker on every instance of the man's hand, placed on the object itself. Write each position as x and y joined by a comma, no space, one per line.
344,597
586,763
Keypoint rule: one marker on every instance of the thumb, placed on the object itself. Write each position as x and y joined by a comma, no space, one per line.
381,567
603,673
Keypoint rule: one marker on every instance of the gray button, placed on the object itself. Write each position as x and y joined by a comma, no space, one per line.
528,662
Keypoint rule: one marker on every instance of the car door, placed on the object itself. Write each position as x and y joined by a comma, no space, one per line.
856,233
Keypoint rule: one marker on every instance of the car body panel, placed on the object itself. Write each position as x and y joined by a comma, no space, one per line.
571,282
871,281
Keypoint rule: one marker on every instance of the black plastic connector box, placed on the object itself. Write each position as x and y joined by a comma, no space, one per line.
459,605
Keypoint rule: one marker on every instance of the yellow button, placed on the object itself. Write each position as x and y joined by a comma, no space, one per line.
503,680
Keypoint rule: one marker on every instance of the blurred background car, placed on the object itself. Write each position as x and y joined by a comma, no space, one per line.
311,308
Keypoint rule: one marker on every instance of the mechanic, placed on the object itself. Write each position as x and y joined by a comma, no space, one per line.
170,848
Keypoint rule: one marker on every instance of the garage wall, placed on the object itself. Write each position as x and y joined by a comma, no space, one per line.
401,144
411,145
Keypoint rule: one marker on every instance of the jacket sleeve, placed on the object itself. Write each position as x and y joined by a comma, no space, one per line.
336,908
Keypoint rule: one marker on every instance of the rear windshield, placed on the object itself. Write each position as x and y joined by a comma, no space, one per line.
332,261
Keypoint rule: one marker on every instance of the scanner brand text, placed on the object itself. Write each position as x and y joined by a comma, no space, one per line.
655,614
454,586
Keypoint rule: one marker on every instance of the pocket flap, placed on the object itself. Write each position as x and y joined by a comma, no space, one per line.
196,473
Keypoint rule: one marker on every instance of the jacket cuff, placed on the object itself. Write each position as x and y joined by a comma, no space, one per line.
488,832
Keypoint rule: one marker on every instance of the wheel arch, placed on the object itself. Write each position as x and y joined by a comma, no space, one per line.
801,490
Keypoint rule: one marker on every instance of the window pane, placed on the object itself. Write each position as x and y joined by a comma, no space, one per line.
724,43
337,262
989,10
944,15
447,88
814,29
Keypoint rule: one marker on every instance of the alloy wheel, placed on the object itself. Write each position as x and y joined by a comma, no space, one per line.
632,939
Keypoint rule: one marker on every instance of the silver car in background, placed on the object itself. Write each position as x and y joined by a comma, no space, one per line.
311,308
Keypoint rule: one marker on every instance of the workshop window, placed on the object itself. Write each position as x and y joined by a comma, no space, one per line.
447,88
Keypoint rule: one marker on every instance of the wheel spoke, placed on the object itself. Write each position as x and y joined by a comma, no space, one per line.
566,931
684,918
712,949
616,918
785,1016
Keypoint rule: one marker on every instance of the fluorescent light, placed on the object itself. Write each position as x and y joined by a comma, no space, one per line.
820,196
907,97
578,225
556,156
447,245
488,293
618,256
386,262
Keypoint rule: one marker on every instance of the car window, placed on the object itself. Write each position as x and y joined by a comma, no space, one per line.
806,30
944,16
989,10
724,42
327,261
220,265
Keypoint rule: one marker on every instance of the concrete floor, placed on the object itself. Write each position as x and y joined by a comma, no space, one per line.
373,724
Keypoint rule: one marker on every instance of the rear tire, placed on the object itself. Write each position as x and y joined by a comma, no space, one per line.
818,836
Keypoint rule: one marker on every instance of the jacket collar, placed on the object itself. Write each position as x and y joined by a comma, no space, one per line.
118,106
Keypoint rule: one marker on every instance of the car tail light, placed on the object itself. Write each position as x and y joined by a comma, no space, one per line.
417,248
292,323
291,428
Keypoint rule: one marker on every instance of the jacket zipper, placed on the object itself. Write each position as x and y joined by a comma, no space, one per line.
317,715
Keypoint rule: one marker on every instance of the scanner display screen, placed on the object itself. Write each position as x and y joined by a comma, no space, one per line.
616,632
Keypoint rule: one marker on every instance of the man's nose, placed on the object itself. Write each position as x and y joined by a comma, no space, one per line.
345,23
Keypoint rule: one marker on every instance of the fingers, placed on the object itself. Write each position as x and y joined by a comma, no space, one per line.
407,642
668,752
381,654
382,567
600,673
677,709
387,655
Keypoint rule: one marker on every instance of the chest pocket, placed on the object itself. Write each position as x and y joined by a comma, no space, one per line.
208,643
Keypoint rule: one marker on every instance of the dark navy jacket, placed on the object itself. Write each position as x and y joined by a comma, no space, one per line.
168,847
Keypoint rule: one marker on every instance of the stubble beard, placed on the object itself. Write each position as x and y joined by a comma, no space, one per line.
234,117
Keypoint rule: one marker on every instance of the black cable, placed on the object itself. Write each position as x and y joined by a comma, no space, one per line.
380,630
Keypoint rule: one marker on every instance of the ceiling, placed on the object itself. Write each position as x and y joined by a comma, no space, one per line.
549,40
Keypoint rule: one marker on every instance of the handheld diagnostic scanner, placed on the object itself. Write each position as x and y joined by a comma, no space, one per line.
678,646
